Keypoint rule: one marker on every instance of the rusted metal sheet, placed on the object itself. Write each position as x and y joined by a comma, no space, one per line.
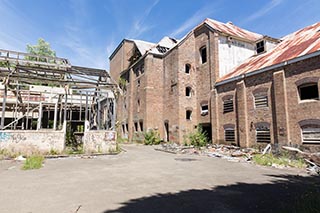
233,30
297,44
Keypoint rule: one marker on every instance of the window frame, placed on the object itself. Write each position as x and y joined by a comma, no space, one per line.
226,107
187,69
188,116
263,133
308,84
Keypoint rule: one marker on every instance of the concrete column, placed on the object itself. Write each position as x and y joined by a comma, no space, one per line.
282,134
242,116
39,116
4,105
55,116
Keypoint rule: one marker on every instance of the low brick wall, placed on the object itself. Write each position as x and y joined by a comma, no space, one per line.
29,141
99,141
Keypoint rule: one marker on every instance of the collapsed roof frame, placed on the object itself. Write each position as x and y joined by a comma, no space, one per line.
88,91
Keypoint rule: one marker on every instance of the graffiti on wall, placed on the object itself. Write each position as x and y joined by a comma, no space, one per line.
4,136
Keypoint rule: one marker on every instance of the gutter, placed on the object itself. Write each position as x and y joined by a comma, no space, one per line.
275,66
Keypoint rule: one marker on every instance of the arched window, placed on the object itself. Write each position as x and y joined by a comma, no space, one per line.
188,91
187,68
203,54
263,132
310,131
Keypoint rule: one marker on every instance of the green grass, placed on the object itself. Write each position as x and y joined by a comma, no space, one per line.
33,162
282,160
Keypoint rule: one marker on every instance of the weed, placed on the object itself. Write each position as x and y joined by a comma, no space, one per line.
198,138
33,162
53,152
282,160
152,137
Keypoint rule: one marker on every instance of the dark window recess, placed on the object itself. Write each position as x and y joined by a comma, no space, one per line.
261,101
187,68
188,91
311,134
138,102
141,126
229,135
162,49
127,127
228,106
142,68
123,128
263,135
138,83
309,91
260,47
204,110
188,114
203,53
136,126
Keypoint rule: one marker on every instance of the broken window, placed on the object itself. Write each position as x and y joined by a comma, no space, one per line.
123,129
188,91
204,109
189,115
263,133
260,100
141,125
162,49
203,54
228,105
309,91
229,135
260,47
136,126
187,68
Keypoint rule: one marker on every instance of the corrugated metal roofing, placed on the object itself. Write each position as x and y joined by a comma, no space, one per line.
233,30
299,43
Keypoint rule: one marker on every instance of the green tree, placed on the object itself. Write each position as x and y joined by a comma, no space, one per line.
42,48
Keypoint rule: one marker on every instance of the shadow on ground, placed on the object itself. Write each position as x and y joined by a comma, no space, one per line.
285,194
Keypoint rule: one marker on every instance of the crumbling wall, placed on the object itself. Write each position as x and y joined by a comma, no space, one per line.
99,141
26,141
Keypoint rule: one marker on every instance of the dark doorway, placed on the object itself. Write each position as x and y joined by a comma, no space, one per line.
166,128
206,127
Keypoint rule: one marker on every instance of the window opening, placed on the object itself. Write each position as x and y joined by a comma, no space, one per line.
309,91
203,53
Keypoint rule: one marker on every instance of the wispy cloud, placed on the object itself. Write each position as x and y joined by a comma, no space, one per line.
139,25
195,19
263,11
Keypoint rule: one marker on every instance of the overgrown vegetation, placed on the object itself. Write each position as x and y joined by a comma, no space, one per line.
33,162
122,83
282,159
197,138
152,137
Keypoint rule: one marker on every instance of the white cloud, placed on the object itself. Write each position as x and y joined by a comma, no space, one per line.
195,19
263,11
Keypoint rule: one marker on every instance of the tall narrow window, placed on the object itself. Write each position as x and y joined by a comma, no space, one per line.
188,91
141,125
188,115
187,68
228,105
136,126
204,109
203,54
309,91
138,105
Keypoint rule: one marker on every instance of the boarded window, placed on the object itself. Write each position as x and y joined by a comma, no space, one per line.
261,101
260,47
229,135
228,105
309,91
203,54
187,68
188,114
263,134
311,134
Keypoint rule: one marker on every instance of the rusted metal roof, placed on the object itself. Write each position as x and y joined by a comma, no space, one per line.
231,29
297,44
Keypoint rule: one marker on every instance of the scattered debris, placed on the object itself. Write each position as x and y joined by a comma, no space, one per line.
20,158
78,208
267,149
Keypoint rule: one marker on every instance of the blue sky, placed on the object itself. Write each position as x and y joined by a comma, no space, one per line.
87,31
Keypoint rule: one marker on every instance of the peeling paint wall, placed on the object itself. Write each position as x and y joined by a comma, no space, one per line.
32,141
99,141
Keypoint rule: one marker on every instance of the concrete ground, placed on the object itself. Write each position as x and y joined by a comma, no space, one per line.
145,180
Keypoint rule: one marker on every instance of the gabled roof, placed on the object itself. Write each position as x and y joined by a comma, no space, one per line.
143,46
232,30
298,44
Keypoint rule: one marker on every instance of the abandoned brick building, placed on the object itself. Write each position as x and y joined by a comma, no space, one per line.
240,86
